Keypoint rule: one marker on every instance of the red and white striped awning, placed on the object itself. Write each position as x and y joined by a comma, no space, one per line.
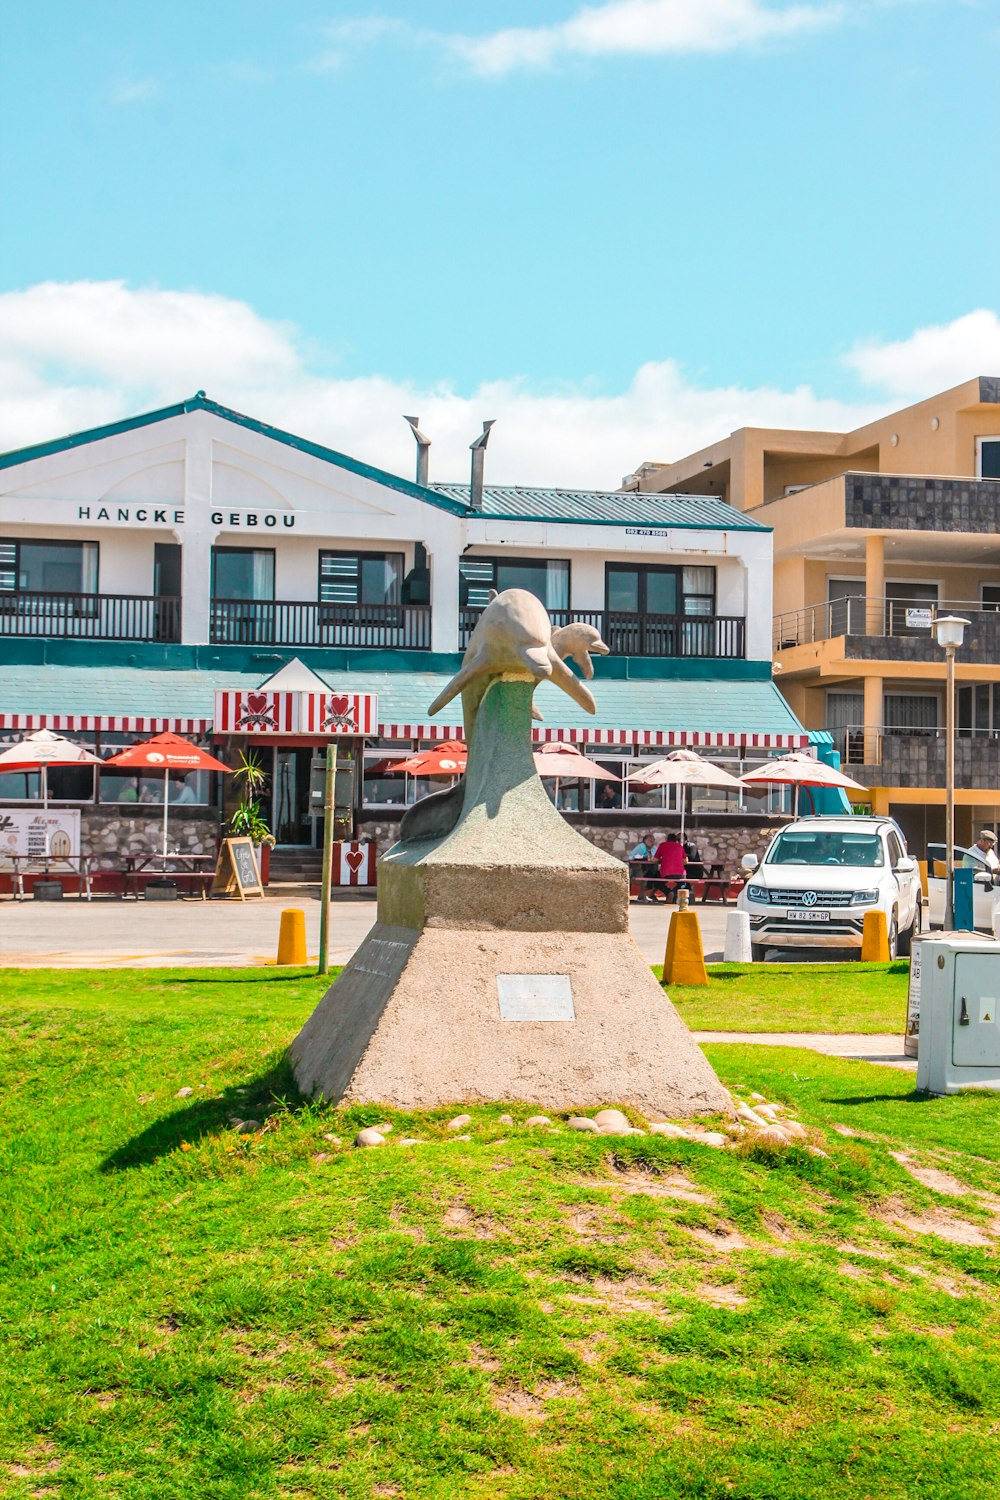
355,710
108,723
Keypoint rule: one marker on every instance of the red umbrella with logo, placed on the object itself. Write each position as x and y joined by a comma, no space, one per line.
447,759
165,753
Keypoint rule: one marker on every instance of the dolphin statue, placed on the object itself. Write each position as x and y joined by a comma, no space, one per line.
513,639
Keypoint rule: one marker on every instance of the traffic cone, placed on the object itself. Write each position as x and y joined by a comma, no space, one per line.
684,961
875,939
292,938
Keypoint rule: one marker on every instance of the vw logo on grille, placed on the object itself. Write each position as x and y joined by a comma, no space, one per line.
809,898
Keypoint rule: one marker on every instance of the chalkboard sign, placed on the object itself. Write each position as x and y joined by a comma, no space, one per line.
237,870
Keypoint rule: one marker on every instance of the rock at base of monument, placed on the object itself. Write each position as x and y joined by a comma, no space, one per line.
417,1020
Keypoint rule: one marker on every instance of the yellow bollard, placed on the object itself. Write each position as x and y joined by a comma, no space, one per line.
922,867
292,938
684,962
875,939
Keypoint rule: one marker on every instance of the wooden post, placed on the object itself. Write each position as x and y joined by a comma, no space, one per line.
328,808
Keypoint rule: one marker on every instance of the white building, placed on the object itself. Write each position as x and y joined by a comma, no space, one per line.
149,564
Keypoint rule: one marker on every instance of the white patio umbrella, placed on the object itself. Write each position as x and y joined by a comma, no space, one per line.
38,751
684,768
798,769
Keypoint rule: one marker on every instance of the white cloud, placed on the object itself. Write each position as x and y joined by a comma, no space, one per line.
642,28
622,28
931,359
135,91
81,353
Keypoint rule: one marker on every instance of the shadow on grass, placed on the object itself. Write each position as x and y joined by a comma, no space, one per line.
249,976
914,1096
249,1101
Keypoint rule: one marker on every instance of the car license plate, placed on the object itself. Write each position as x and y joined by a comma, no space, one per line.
811,915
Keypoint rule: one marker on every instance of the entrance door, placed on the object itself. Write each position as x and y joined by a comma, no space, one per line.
292,823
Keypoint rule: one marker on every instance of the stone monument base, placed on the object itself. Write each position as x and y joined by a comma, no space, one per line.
416,1021
501,966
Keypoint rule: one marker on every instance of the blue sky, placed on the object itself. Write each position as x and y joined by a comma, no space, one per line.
635,223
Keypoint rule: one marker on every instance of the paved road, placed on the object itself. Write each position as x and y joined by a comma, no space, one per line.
151,934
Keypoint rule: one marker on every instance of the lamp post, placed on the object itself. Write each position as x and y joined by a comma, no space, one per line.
949,630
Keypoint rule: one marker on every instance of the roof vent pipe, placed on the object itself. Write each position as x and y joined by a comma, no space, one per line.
478,450
423,450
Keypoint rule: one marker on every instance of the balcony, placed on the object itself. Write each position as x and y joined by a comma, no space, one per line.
269,622
908,757
876,629
707,636
93,617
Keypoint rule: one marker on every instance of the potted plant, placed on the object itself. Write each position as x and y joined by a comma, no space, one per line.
248,821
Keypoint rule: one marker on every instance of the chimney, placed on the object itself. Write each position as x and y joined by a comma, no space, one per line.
423,454
478,450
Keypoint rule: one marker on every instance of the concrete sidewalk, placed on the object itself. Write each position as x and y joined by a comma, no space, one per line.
116,934
879,1048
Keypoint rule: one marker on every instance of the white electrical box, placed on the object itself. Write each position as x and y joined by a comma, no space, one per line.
959,1037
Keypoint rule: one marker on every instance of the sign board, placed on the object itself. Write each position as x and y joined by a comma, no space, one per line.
273,714
910,1039
535,997
23,830
919,619
236,870
353,863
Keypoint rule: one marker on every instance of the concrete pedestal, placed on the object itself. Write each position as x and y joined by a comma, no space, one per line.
507,918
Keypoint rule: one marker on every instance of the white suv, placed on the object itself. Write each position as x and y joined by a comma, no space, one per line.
819,877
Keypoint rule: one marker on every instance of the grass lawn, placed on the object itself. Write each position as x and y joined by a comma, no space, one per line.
847,997
186,1311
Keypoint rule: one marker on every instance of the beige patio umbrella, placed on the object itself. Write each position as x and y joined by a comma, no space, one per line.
38,751
683,768
798,769
565,763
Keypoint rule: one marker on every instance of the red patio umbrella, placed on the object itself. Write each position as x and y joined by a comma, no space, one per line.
447,759
165,753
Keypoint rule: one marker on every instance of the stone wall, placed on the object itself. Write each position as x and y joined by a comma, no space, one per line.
109,833
725,842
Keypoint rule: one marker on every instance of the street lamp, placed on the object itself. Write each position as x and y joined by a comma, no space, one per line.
950,633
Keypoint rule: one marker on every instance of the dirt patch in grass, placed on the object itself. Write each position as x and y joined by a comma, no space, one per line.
721,1296
938,1222
464,1220
482,1359
652,1185
931,1177
625,1295
722,1239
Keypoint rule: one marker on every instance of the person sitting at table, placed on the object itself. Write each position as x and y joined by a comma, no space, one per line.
186,791
129,792
643,861
670,856
693,862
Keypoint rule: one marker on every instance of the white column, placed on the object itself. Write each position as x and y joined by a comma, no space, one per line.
444,594
198,532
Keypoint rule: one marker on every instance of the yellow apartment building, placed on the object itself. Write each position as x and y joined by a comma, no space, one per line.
875,532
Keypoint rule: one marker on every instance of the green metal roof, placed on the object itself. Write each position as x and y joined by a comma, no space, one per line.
702,705
507,502
603,507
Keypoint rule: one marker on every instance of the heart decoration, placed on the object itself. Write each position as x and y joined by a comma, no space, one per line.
355,858
256,702
339,705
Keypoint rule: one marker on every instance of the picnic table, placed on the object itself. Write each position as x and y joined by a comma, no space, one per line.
196,869
50,864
